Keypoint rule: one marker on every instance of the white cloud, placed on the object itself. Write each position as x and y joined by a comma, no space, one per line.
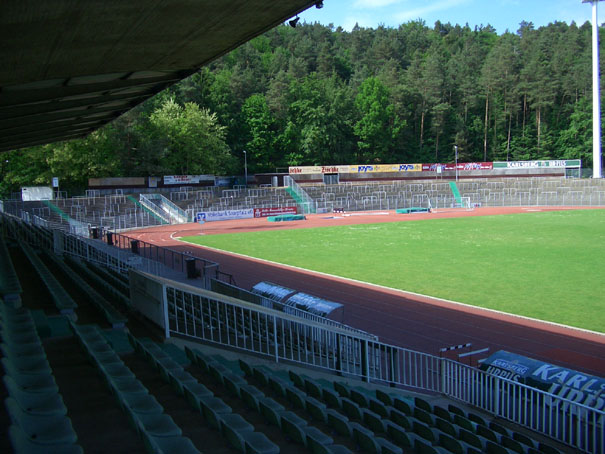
434,7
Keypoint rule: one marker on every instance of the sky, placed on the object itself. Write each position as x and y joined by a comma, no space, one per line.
500,14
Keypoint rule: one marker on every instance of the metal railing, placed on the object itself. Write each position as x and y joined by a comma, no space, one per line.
226,321
164,208
306,203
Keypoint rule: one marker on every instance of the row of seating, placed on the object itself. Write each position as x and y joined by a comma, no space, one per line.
10,287
62,300
118,284
157,429
220,416
111,314
292,425
38,415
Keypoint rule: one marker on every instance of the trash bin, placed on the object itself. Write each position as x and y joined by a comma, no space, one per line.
192,272
134,246
109,236
94,233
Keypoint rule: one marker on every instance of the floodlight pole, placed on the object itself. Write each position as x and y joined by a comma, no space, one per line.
596,94
245,168
456,152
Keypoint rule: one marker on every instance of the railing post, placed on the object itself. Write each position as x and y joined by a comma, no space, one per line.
365,366
166,320
275,338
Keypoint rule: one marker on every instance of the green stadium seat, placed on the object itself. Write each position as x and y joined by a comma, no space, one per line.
401,419
403,405
251,395
246,368
316,409
424,416
495,448
116,371
157,424
429,434
476,419
22,444
278,385
297,379
423,447
271,410
456,410
465,423
378,407
35,383
169,445
360,398
373,421
233,383
351,409
521,438
261,376
342,389
339,423
513,445
446,427
313,388
194,392
488,433
296,397
456,446
423,404
472,439
140,403
176,354
212,408
547,449
332,398
127,386
291,425
178,378
37,404
442,413
258,443
400,436
41,429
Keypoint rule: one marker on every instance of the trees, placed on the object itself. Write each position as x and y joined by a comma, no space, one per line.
320,95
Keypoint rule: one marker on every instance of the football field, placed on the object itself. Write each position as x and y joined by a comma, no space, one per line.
545,265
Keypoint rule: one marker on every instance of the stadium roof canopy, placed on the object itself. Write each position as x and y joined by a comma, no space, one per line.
68,67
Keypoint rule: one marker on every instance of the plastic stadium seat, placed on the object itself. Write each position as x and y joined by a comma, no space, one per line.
251,395
373,421
378,407
41,429
359,398
25,366
446,427
472,439
494,448
29,349
291,425
442,413
158,425
127,385
116,371
271,410
351,409
403,406
212,407
401,419
457,410
313,388
35,383
316,409
342,389
38,404
178,378
513,445
424,416
488,433
278,385
261,376
22,444
476,419
456,446
297,379
465,423
429,434
332,398
245,367
161,445
523,439
296,397
400,436
547,449
233,382
194,392
258,443
141,403
423,404
339,423
423,447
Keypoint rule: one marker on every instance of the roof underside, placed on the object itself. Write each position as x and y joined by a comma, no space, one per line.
70,66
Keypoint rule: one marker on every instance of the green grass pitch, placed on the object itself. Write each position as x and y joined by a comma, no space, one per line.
548,265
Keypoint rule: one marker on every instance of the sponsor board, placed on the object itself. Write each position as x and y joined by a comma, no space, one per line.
186,179
361,168
226,215
273,211
561,381
553,164
467,166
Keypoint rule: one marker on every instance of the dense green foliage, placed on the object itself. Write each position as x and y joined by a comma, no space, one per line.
542,265
320,95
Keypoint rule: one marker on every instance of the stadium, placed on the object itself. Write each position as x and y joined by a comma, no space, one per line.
119,334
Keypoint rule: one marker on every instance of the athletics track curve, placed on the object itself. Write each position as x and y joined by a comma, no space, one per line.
412,321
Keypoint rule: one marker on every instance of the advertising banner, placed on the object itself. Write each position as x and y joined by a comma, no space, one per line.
274,211
553,164
468,166
365,168
226,215
568,383
186,179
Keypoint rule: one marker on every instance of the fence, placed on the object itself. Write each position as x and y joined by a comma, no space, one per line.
283,337
164,208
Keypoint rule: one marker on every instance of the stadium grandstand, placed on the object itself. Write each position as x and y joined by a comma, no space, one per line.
111,344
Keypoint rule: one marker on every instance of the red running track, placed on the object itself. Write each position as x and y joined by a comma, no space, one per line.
408,320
